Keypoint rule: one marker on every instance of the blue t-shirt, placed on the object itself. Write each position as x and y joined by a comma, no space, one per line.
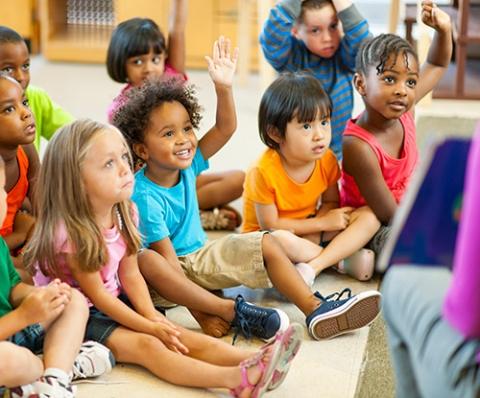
171,212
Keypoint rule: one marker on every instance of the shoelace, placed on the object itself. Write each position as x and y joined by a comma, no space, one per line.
245,326
331,297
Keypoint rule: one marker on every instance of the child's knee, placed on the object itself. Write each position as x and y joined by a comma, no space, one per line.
369,219
78,304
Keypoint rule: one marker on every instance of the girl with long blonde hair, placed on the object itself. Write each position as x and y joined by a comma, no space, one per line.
86,235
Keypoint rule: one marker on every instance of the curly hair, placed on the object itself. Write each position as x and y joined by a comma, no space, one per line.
377,51
133,117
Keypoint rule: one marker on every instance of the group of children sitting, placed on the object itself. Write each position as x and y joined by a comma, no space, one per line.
92,236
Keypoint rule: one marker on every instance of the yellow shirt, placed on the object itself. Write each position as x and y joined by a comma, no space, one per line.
268,183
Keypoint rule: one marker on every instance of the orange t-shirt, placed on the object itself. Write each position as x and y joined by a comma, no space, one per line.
17,194
267,183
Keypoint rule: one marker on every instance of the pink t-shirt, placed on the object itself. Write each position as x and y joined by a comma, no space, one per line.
121,98
396,172
116,248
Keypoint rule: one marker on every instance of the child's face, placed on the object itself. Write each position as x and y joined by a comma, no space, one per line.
17,126
106,172
3,195
145,66
306,142
320,30
15,60
170,142
391,93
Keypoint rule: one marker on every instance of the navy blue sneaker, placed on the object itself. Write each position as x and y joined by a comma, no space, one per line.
251,320
336,316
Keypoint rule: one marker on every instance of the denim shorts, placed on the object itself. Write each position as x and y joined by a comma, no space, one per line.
31,337
100,326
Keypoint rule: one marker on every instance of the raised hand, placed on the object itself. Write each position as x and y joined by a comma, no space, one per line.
435,17
223,65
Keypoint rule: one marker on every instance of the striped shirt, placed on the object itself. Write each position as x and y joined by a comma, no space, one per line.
285,53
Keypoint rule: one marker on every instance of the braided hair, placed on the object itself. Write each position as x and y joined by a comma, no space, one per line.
377,51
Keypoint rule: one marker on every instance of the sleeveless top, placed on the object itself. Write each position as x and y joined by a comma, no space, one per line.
396,172
17,194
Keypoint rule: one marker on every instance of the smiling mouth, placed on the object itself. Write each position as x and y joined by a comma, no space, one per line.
184,153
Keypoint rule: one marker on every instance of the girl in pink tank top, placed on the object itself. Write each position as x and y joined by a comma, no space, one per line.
379,149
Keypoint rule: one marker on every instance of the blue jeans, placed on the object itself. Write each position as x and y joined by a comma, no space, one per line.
430,358
32,337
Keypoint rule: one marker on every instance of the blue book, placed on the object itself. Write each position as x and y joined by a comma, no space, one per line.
425,225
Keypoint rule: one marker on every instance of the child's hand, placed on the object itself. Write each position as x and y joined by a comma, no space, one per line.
45,303
222,67
435,17
168,334
337,219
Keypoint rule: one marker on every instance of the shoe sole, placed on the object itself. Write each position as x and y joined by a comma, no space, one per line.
359,313
291,342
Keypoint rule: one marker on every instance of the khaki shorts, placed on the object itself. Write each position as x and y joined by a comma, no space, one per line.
233,260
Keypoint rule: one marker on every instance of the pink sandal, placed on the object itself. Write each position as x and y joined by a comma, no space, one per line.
266,371
360,265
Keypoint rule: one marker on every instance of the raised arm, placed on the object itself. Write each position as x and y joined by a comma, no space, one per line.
355,28
276,39
440,51
222,70
176,35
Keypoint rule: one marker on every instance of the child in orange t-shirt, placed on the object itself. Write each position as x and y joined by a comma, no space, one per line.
294,184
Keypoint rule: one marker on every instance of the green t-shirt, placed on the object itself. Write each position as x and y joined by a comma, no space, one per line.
9,278
48,115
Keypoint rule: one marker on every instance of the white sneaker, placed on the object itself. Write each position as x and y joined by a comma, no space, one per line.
93,359
45,387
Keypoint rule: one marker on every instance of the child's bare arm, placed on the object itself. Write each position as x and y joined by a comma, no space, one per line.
93,287
176,35
334,220
440,51
165,248
33,170
222,70
33,305
360,162
135,286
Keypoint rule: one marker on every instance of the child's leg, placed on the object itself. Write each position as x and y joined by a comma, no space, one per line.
65,334
18,365
297,249
213,313
285,277
363,225
148,351
216,189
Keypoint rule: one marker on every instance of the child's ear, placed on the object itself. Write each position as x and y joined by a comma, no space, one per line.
274,134
359,83
294,32
140,150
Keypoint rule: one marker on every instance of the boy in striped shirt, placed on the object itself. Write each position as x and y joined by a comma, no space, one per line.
321,37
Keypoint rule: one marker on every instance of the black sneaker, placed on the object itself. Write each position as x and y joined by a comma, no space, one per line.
251,320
